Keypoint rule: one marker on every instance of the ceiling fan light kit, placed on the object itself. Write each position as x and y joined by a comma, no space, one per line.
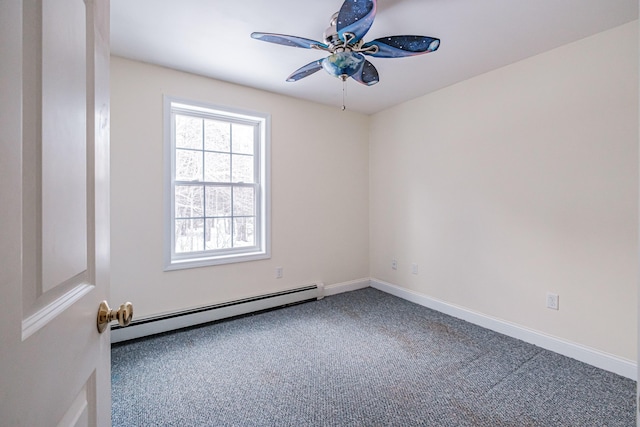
343,40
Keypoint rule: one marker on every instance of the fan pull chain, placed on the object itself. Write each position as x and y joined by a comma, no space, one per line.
344,90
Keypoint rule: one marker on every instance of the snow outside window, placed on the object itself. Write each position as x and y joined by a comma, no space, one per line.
216,185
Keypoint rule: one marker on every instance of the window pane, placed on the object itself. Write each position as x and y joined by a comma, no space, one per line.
218,158
218,233
243,201
189,201
242,168
243,138
217,136
217,167
188,165
188,132
189,235
218,201
244,232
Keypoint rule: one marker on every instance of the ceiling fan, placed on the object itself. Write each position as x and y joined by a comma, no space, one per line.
343,40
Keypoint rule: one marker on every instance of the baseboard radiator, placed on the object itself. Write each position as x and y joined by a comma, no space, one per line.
183,319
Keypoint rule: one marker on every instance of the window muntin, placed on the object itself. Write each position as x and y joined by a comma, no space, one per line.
217,185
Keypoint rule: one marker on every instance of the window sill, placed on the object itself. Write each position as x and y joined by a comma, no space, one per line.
181,264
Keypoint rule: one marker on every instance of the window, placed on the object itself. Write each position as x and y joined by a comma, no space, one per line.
216,185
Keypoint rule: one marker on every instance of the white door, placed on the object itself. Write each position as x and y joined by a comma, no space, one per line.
54,212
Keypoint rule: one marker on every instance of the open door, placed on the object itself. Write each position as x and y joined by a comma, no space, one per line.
54,212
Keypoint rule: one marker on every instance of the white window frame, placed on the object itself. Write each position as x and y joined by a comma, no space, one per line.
262,121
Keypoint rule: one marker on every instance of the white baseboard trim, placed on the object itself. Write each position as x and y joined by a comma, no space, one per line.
353,285
591,356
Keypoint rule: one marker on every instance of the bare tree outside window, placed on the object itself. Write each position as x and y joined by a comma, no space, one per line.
216,186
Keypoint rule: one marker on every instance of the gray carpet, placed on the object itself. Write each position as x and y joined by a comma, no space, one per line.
362,358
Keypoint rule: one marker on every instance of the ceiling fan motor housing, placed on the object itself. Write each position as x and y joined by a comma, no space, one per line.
330,35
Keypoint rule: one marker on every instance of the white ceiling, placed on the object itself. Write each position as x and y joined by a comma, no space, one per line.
212,38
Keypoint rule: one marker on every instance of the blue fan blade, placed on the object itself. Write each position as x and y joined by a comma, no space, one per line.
401,46
367,75
305,71
356,16
286,40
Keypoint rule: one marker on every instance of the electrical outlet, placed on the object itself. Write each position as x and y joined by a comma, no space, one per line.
279,272
414,268
394,264
553,301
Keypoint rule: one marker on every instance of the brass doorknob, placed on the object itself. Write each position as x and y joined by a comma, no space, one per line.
106,315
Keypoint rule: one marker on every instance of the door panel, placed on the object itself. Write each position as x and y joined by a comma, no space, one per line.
54,214
78,413
64,171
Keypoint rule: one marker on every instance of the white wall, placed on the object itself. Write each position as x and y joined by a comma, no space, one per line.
520,181
319,193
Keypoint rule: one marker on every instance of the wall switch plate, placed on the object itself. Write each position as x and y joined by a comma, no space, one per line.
553,301
279,272
414,268
394,264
